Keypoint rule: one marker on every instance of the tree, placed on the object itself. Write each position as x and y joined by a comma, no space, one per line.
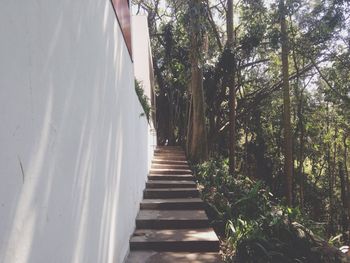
232,87
288,147
197,144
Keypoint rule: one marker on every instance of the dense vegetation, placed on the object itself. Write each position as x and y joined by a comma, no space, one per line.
261,89
255,226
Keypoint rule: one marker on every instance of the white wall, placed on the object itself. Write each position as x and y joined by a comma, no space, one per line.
73,147
142,52
143,68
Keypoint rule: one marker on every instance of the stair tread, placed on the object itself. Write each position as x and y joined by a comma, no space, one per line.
164,184
159,170
158,193
175,175
171,166
162,161
175,200
152,184
171,159
168,147
178,157
170,189
169,152
171,257
189,203
174,235
199,215
171,182
171,177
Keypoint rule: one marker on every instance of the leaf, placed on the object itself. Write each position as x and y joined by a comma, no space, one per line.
337,237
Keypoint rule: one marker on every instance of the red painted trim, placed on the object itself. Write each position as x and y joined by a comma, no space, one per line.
122,11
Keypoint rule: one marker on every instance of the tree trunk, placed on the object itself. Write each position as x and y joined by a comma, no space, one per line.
198,144
299,91
288,151
301,150
189,122
334,167
301,165
331,202
347,185
171,126
246,141
331,230
344,198
232,90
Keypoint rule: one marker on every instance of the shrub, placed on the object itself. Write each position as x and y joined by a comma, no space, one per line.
257,227
143,100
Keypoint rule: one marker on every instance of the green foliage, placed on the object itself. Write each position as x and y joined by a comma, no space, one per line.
257,227
254,31
196,24
143,100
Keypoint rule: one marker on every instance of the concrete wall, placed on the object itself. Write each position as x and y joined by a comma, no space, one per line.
73,147
142,52
143,67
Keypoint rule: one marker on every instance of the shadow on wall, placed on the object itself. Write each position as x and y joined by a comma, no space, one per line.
71,187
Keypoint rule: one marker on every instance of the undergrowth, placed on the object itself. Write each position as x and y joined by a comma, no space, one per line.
255,225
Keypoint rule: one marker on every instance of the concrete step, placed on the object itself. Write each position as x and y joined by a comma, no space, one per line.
171,219
170,147
172,257
160,193
164,151
172,225
169,162
171,166
173,240
182,155
170,171
173,204
183,177
170,184
176,151
170,157
172,151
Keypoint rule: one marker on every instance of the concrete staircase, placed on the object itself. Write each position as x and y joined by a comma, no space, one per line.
172,225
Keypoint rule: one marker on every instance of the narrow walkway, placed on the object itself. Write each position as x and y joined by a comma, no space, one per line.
172,225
